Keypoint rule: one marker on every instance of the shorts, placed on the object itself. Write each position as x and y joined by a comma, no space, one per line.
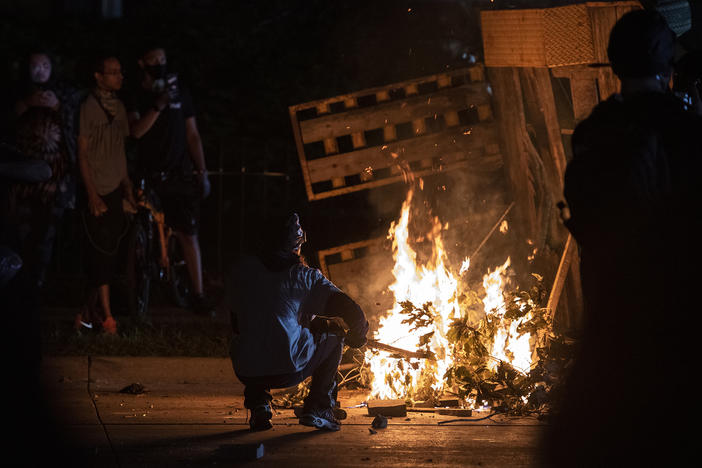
104,235
180,202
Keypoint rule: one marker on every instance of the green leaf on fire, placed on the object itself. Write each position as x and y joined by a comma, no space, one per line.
478,376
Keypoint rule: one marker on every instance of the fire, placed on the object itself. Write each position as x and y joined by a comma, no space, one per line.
508,345
433,283
464,266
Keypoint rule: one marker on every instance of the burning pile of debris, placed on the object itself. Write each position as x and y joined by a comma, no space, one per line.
483,345
488,345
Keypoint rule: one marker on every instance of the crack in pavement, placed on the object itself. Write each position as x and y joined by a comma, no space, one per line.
97,413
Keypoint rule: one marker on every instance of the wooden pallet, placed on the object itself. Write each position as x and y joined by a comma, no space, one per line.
376,136
550,37
347,252
364,271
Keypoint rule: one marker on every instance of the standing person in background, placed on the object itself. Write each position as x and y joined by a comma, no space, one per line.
170,156
43,130
103,167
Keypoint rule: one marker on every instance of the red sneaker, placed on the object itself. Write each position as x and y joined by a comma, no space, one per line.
109,326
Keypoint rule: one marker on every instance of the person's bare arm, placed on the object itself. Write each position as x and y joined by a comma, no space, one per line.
95,203
140,124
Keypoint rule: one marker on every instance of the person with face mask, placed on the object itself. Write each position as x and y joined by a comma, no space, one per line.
42,130
171,157
289,323
46,101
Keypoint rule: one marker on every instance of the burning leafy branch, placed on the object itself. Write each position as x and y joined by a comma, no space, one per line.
478,376
418,319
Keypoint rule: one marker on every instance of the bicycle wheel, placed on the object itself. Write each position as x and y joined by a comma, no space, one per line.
139,269
178,275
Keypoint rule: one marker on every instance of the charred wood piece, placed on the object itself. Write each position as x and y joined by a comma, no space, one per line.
398,351
387,408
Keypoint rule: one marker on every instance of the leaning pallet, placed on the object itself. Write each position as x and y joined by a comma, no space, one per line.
379,136
362,269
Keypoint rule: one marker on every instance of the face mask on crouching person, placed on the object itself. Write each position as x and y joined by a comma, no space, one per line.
280,243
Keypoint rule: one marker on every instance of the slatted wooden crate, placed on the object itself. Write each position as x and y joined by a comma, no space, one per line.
589,85
550,37
364,139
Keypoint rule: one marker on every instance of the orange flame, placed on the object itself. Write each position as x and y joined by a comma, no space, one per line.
432,283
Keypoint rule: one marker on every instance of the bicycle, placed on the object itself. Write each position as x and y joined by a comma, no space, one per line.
153,253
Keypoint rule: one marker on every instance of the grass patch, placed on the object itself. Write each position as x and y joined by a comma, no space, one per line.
137,339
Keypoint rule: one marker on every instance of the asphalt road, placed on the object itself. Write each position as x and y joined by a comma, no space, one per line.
191,414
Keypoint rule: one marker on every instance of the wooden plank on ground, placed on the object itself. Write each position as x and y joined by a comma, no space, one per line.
388,408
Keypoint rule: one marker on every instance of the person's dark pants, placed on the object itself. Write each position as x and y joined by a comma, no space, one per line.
180,200
323,367
104,234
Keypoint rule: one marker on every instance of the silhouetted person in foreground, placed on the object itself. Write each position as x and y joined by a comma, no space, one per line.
29,414
282,335
634,195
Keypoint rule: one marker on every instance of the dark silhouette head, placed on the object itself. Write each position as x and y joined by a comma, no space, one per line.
641,45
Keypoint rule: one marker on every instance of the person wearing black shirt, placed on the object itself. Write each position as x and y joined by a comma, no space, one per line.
162,119
633,192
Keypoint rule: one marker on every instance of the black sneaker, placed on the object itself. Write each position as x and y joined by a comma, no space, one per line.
321,419
260,419
203,305
339,413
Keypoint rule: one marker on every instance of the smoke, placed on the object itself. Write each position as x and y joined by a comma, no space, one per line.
467,204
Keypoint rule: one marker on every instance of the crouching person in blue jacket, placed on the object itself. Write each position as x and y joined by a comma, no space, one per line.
285,317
